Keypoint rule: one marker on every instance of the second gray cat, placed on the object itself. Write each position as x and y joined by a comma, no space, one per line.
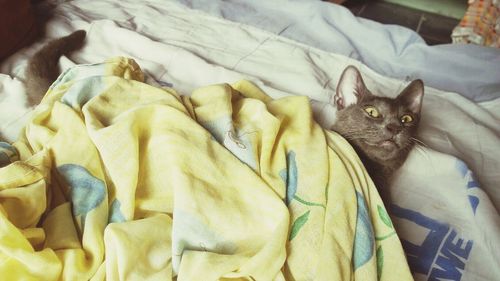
42,69
382,130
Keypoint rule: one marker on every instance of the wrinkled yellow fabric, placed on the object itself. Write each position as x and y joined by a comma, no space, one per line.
119,180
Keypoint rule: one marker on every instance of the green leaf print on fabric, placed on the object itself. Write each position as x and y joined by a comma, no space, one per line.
382,213
307,203
298,224
290,177
380,261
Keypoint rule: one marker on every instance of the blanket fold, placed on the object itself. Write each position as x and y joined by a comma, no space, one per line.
119,180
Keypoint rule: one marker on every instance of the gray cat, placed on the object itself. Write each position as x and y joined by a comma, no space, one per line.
381,130
42,69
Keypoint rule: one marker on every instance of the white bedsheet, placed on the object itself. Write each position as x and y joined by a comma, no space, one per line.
394,51
448,223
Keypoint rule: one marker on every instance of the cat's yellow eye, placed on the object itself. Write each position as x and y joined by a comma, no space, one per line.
406,119
372,111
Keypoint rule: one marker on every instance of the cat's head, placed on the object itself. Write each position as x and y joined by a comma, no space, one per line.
382,128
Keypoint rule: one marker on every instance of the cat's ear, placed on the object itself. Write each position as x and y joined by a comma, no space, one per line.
411,97
350,88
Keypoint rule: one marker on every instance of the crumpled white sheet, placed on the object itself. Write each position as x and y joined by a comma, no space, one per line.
394,51
435,193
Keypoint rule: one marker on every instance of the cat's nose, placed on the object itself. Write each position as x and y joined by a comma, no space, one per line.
393,128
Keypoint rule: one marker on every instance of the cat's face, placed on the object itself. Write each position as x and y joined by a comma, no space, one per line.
382,128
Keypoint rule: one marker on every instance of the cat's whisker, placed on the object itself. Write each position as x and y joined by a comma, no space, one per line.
424,152
418,141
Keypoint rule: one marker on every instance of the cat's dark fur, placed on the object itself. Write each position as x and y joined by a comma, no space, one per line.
382,142
42,69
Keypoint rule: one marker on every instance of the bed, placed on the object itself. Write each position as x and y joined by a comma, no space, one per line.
263,58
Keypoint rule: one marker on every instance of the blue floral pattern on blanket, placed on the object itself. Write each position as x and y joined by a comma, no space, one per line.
4,159
192,233
363,238
115,214
289,176
81,92
86,191
7,154
237,143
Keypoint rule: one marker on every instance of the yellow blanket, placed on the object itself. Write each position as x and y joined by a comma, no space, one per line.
120,180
